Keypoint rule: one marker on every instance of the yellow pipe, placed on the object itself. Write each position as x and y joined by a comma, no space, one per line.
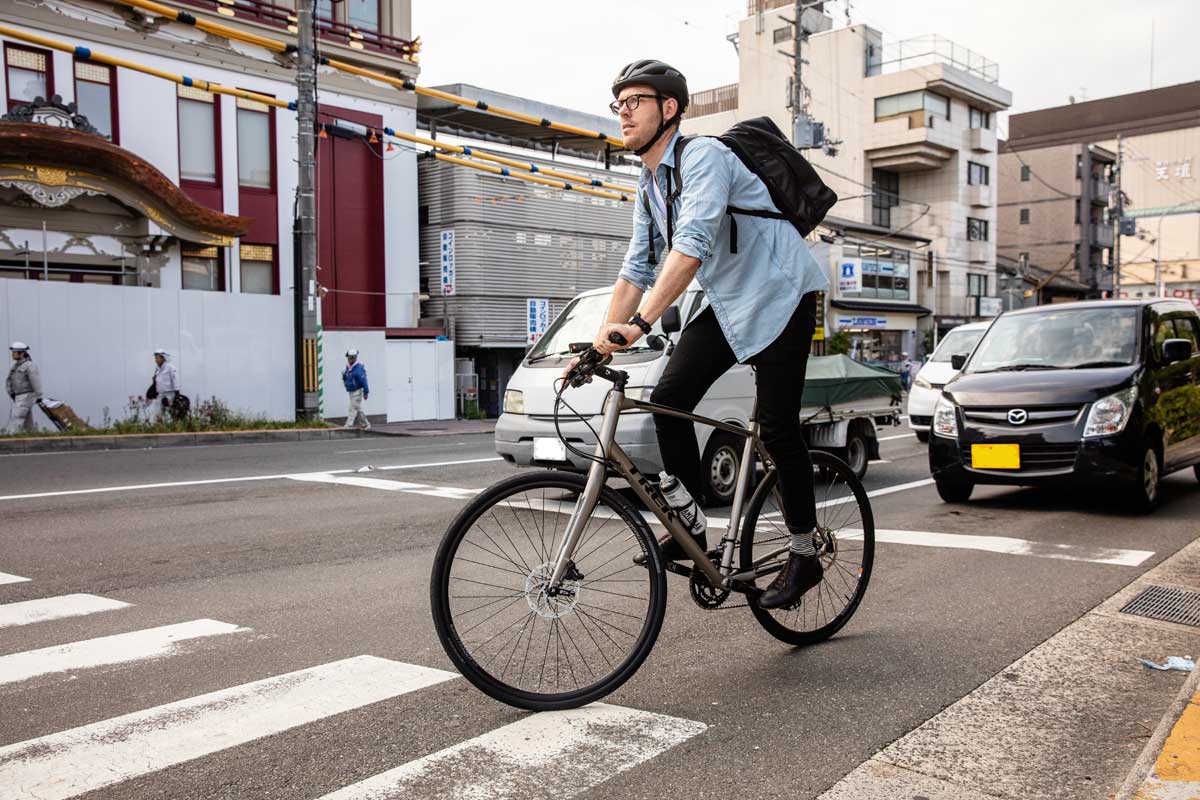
399,83
462,162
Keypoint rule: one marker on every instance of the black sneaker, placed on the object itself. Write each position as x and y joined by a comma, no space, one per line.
798,575
670,549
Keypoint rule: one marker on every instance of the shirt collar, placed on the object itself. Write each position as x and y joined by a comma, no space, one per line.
668,159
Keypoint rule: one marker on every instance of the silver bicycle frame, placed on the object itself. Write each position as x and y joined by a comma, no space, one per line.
608,451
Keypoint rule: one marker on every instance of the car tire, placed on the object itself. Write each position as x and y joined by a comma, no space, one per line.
1196,470
1144,492
922,436
719,467
955,491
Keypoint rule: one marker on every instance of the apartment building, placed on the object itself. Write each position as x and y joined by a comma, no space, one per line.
911,135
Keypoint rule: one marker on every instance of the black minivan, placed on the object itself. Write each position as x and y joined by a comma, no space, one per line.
1104,392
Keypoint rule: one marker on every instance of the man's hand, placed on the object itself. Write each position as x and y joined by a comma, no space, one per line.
631,333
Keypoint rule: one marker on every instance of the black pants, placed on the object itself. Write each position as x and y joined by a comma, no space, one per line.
701,357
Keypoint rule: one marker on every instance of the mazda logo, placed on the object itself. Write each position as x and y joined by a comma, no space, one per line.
1017,416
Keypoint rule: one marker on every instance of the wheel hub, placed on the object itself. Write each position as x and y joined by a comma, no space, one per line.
551,603
724,468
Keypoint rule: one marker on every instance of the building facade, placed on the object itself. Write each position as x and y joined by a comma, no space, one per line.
171,208
1059,170
909,129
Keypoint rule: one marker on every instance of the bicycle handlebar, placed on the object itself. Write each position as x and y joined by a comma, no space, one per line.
592,362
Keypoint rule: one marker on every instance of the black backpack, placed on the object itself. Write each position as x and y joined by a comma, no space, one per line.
798,192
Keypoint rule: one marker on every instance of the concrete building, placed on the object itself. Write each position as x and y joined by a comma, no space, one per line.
1059,159
912,150
136,213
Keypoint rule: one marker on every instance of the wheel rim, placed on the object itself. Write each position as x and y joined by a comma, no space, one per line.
522,637
856,454
723,471
1150,476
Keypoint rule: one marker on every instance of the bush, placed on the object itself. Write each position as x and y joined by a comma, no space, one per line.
839,343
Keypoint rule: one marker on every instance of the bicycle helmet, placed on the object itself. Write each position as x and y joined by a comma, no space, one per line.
664,79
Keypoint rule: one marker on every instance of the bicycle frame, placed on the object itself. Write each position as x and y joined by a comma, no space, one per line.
609,452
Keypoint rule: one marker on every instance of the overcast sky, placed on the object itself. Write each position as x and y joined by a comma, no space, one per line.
566,52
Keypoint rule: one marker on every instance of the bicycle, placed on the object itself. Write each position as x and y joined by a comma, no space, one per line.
506,588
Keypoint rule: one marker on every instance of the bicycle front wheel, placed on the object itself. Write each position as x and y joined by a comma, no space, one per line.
845,541
514,638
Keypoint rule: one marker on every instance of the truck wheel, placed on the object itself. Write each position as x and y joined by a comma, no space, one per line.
719,467
955,491
857,452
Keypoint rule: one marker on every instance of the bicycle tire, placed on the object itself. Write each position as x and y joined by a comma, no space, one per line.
451,631
784,624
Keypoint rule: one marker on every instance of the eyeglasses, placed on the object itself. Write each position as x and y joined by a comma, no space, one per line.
632,102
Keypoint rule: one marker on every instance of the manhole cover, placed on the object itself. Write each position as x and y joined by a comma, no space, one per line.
1166,604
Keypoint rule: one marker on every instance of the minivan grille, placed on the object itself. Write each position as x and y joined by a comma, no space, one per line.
1035,415
1037,457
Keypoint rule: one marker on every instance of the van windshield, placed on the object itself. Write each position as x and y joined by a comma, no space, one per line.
1059,339
957,343
579,322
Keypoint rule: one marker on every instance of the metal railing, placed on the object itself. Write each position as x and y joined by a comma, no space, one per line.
933,49
713,101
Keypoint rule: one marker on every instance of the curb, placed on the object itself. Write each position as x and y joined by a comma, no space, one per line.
145,441
1131,789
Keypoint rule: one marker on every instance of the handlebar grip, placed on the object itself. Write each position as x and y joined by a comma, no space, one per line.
617,338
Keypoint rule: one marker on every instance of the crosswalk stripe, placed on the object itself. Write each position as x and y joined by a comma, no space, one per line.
6,578
553,754
48,608
107,650
448,492
1009,546
83,759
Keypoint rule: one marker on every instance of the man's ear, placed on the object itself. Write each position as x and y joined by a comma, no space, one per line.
670,108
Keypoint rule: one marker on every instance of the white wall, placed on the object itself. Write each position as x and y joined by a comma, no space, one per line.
371,346
94,345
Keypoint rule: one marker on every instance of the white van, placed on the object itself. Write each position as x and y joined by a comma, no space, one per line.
937,372
526,436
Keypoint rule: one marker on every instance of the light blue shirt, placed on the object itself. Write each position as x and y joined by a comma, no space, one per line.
753,292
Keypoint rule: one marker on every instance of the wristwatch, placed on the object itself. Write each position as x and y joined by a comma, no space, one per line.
636,319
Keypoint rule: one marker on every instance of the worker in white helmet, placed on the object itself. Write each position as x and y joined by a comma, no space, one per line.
354,376
166,381
24,386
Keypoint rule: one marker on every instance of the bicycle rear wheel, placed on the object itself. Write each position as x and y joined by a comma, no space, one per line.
511,638
845,541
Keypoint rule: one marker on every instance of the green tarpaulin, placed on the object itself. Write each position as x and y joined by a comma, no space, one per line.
831,380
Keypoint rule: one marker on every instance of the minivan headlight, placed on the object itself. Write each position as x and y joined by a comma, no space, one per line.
945,418
1110,414
514,401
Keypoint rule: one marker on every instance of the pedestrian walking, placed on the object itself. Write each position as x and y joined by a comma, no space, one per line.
24,386
354,376
166,382
906,371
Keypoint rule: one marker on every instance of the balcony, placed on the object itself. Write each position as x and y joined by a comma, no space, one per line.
912,142
981,140
1101,235
713,101
923,51
978,252
1100,191
979,196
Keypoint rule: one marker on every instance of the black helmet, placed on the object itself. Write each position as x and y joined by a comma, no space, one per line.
663,77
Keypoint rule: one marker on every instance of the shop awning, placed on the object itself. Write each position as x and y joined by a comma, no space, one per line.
881,307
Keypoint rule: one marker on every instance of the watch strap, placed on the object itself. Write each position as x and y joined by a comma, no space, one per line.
636,319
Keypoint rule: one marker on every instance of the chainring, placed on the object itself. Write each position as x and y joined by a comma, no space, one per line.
704,594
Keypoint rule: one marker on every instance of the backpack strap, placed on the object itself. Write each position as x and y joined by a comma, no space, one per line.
652,259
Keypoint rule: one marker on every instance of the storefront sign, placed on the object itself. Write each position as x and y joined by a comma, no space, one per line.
819,330
862,322
538,318
989,306
950,322
448,277
850,275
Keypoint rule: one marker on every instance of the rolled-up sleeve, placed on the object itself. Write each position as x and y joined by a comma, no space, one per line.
635,267
706,181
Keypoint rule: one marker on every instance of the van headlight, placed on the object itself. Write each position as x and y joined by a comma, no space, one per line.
1110,414
945,418
514,401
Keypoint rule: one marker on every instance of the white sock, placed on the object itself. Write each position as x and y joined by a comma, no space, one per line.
802,544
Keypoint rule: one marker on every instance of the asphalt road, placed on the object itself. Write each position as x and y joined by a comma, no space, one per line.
245,574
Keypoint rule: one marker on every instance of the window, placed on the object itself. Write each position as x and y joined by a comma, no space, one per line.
1186,327
782,34
324,9
980,119
976,285
1024,216
908,102
886,196
977,230
202,269
1025,172
363,14
29,74
885,272
258,269
254,144
977,174
198,117
1077,214
96,96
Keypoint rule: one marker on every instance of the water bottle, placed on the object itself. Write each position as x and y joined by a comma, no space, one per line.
679,499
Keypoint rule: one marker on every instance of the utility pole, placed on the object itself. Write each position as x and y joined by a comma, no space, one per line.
797,64
304,270
1117,217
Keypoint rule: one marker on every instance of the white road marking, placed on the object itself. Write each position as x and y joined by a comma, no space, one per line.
448,492
552,754
900,487
402,447
6,578
108,650
1009,546
212,481
83,759
879,461
898,436
48,608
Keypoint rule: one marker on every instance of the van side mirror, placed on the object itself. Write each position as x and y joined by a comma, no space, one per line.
958,360
1175,350
670,320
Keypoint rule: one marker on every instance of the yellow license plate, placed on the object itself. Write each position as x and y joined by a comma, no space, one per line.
996,456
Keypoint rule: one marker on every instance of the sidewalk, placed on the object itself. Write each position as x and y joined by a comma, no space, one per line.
1169,768
445,427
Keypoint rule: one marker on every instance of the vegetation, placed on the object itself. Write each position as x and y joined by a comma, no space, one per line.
839,343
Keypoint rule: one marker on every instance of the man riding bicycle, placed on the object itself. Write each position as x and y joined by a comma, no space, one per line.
760,281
